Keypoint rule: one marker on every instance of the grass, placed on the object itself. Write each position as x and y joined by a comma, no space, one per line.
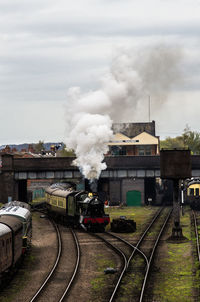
132,281
99,283
38,199
176,280
178,275
139,214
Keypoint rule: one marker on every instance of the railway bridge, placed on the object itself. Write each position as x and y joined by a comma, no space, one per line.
123,174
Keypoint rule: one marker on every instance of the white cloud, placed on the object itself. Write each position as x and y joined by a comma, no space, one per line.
46,47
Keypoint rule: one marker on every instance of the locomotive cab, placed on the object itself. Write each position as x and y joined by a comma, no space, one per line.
93,216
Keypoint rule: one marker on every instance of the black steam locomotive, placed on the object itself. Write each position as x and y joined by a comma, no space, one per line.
77,208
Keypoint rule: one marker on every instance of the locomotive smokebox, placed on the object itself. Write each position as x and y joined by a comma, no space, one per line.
175,164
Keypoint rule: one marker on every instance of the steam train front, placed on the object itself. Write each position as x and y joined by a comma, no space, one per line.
92,216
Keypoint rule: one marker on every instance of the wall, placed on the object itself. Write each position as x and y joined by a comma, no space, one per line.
131,184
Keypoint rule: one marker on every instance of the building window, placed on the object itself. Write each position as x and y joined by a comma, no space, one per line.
141,150
118,150
148,150
144,150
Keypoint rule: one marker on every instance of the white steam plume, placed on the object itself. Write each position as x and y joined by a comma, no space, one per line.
90,115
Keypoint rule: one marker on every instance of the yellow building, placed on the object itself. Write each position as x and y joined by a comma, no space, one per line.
141,144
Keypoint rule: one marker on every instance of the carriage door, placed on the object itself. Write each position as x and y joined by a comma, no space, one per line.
71,206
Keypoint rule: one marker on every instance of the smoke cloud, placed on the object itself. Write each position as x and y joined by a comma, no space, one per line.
132,76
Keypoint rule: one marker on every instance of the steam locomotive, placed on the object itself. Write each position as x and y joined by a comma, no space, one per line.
15,233
76,208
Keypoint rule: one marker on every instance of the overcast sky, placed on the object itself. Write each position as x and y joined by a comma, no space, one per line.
47,47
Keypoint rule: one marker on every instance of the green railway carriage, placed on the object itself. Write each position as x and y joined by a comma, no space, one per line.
76,207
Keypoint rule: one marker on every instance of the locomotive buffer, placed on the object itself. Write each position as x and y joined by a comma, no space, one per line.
175,165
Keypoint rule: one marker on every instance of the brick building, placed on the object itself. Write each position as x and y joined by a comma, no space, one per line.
135,139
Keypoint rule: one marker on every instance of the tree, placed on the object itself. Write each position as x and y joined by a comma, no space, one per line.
39,147
189,140
171,143
65,152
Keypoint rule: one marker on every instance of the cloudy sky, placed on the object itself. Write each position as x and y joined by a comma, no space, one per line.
47,47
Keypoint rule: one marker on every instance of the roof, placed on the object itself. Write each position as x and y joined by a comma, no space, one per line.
16,211
16,203
133,129
4,229
59,192
143,138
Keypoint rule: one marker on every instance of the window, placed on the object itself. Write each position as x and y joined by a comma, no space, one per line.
191,192
54,201
141,150
118,150
148,150
60,203
197,191
144,150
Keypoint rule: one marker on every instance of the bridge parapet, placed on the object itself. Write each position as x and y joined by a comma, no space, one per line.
10,163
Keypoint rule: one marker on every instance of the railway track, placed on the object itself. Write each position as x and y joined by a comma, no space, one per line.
53,287
151,255
196,220
130,252
124,261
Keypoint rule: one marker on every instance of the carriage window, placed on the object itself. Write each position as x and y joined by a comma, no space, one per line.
191,192
60,203
197,192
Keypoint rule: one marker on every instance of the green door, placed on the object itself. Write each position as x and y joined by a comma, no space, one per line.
133,198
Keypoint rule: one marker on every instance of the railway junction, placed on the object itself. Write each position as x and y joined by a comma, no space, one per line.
148,266
159,261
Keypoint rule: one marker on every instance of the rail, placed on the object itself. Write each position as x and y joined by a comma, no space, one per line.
54,266
75,269
197,235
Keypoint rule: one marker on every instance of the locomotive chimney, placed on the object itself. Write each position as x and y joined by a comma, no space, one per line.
94,185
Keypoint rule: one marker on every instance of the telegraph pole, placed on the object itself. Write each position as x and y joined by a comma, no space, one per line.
149,108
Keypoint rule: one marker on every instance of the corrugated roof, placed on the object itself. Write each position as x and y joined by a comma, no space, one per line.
16,211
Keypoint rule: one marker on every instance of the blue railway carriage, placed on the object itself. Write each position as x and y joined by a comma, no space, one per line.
21,211
11,230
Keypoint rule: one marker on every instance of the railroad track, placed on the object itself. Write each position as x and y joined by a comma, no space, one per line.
49,291
151,255
124,261
196,219
129,252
